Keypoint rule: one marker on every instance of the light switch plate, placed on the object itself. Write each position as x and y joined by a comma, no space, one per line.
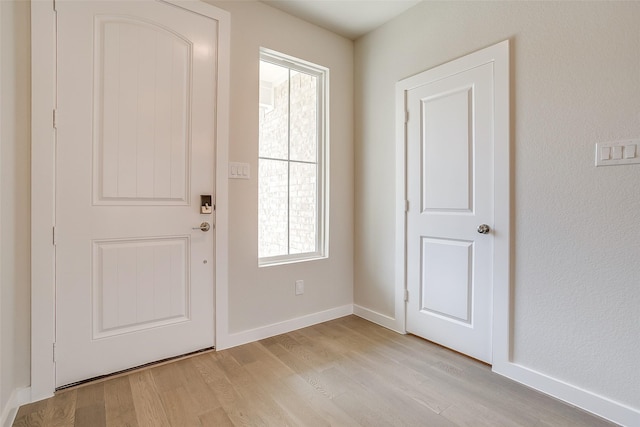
239,170
618,152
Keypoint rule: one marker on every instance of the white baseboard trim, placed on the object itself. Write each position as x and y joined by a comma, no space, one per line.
274,329
378,318
576,396
571,394
18,397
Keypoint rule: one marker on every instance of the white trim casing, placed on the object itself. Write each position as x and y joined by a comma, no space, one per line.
501,324
222,174
43,86
43,36
401,209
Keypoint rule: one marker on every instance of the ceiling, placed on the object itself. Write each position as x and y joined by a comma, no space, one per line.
349,18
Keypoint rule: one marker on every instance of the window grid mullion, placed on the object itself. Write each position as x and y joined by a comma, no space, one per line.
304,162
289,164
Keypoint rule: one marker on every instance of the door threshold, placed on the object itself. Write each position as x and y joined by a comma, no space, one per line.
128,371
444,347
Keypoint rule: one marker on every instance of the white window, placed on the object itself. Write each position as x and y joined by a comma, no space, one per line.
292,166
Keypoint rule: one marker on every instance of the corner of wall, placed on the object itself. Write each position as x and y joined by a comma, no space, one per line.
378,318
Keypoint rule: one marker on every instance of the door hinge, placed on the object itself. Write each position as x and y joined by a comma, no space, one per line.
406,295
406,116
54,6
54,352
55,119
406,206
54,236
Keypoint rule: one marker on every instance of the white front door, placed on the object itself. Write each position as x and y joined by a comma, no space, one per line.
135,153
450,190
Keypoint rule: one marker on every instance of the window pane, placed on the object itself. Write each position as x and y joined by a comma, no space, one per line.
304,126
302,219
290,147
272,208
274,111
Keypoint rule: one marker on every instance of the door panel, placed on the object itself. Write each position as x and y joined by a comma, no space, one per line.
447,148
446,282
135,150
139,284
450,182
142,110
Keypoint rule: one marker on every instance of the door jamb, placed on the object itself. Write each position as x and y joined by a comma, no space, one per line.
43,102
497,54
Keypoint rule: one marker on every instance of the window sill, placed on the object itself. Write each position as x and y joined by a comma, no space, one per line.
289,259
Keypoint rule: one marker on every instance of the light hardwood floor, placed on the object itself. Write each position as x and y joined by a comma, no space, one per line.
346,372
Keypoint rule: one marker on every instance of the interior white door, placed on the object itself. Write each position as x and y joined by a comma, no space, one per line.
135,152
450,177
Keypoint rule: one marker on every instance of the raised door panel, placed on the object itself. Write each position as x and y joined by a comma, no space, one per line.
447,151
139,284
446,282
141,114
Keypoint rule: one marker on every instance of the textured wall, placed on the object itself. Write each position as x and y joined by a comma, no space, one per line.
575,82
263,296
15,194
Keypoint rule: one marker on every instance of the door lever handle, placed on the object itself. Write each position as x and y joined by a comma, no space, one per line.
203,227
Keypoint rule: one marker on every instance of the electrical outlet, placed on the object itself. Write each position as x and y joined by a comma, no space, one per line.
299,287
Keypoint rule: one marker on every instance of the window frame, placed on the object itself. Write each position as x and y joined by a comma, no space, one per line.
322,159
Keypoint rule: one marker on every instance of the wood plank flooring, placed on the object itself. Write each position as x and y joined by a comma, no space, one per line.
346,372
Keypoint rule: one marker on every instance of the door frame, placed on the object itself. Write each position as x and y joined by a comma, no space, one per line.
43,139
497,54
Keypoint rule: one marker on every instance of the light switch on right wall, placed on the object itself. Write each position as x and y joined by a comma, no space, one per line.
618,152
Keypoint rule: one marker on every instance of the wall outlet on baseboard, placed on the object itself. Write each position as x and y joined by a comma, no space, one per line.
299,287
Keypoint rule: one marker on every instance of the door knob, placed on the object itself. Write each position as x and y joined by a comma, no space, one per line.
483,229
203,227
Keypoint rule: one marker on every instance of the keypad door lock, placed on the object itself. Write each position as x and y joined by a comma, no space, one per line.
206,206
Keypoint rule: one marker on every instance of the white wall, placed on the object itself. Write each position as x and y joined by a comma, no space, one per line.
265,296
575,82
15,199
